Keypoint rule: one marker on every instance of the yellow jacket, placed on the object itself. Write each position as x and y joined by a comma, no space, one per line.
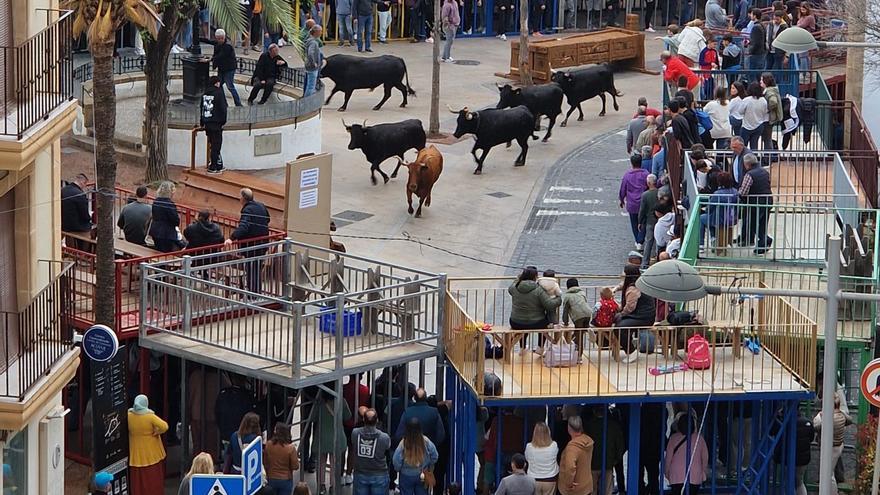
145,443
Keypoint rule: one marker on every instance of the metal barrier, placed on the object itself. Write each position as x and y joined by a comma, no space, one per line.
784,359
35,338
291,304
35,76
790,82
128,301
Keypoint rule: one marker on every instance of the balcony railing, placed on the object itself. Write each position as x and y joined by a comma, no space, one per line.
35,338
37,77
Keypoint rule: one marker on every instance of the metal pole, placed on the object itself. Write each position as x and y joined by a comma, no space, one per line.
829,379
875,485
846,44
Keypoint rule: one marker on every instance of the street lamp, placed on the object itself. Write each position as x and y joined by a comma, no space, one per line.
798,40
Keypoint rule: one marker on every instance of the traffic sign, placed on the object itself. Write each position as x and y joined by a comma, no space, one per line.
870,382
100,343
216,484
252,466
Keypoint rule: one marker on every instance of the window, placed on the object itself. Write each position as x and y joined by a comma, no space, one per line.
15,464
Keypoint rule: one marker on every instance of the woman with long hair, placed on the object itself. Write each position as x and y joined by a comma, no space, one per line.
806,19
201,464
737,104
755,116
248,430
531,305
280,459
414,455
774,108
165,221
541,454
638,310
719,112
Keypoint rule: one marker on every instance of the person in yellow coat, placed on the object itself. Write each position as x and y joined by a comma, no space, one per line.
145,450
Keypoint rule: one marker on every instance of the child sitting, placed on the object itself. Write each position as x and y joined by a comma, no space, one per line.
604,311
550,285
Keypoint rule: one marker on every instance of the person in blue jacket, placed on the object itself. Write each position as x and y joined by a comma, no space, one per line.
414,455
428,417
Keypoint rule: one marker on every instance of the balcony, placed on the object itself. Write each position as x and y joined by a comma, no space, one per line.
36,90
37,354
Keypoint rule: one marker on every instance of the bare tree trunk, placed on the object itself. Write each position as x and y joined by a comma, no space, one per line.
155,134
434,121
525,72
105,164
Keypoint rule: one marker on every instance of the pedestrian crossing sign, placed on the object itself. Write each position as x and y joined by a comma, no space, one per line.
216,484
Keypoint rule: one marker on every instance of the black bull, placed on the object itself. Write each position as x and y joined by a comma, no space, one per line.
382,141
493,127
544,99
582,84
350,73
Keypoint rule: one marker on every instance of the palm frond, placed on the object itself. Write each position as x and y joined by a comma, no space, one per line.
280,13
229,15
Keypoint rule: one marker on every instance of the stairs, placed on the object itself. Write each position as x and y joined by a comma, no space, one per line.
754,477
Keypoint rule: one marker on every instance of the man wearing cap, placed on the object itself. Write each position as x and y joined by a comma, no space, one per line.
103,483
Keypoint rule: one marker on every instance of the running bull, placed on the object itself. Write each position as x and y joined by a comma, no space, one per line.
544,99
423,174
583,84
382,141
493,127
350,73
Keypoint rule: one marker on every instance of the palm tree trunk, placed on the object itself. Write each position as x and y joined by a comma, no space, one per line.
104,103
155,136
525,72
434,121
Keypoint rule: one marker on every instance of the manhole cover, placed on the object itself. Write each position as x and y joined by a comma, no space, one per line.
467,62
352,215
499,195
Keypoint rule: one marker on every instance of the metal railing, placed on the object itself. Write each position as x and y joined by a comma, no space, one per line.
784,359
35,338
790,82
36,77
127,294
187,115
291,304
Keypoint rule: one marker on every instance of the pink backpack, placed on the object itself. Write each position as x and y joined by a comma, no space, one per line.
698,355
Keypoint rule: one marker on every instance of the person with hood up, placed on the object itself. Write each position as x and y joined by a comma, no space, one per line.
575,475
576,307
203,232
531,304
213,118
146,453
716,17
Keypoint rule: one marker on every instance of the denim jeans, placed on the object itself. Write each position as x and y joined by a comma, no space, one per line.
751,137
411,485
364,31
311,82
417,23
756,62
638,236
228,78
281,487
447,45
370,484
735,125
185,38
268,40
659,165
344,22
384,23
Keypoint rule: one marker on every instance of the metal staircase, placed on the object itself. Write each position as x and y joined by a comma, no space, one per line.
755,477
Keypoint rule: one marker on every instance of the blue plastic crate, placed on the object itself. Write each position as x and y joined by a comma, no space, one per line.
352,322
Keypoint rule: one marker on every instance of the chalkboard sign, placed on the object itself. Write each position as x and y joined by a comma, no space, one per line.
110,420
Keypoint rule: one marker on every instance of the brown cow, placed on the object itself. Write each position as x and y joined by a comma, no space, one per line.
423,173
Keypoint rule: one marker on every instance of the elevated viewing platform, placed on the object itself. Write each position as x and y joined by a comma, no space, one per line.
814,196
288,313
783,364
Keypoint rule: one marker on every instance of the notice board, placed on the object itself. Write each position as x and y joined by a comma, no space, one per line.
110,420
307,209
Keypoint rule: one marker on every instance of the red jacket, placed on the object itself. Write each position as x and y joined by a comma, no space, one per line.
675,68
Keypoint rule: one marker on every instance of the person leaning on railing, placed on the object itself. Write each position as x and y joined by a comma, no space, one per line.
721,211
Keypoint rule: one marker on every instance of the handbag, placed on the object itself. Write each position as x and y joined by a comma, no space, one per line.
561,355
428,478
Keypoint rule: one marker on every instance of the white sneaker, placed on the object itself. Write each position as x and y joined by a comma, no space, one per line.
280,42
450,60
650,30
503,37
429,40
638,246
176,49
631,358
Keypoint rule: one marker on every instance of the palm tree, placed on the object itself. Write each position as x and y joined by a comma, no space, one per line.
100,20
525,72
229,15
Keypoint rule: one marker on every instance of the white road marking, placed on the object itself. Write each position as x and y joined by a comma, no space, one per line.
552,213
622,133
575,189
619,160
560,201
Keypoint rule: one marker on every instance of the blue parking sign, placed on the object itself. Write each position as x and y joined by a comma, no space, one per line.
252,466
216,484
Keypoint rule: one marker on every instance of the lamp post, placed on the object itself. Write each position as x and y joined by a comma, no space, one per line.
676,281
798,40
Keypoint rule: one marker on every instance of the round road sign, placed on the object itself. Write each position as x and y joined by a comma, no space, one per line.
870,382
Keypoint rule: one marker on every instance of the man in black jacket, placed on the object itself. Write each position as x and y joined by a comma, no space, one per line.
224,61
268,67
757,54
681,128
253,223
213,118
201,233
775,56
75,215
